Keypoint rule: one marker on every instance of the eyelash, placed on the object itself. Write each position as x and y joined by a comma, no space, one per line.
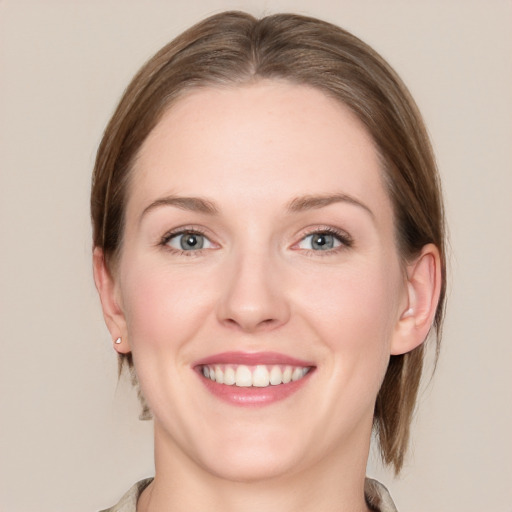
181,231
344,238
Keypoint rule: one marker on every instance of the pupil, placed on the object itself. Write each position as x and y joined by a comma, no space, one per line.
191,241
323,242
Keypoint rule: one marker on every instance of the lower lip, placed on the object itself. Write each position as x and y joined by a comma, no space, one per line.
254,396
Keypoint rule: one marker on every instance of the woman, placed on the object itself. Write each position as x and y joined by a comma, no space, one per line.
269,254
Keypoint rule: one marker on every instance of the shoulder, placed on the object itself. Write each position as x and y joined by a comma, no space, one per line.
128,503
378,497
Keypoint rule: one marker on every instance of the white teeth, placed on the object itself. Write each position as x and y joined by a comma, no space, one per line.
219,376
229,376
296,375
243,377
276,376
259,376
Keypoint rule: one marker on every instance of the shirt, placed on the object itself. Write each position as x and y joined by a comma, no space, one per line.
377,497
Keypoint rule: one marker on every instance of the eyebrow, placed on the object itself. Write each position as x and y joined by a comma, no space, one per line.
193,204
299,204
304,203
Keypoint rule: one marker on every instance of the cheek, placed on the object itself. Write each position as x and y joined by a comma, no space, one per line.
354,316
354,301
162,305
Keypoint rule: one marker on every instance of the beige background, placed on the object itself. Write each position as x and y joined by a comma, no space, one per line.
70,438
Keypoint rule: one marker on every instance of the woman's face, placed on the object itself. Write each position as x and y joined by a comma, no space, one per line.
259,247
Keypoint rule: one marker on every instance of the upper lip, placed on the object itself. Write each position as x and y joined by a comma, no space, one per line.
252,359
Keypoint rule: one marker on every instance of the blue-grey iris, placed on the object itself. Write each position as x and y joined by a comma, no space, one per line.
322,242
190,241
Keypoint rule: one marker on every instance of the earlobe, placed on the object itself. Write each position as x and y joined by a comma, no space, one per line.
112,312
423,289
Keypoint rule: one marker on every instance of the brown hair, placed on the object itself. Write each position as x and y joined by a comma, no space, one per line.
235,48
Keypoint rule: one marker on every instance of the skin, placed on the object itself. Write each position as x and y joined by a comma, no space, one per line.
259,285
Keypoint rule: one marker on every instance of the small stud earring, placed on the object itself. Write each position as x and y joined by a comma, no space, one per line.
118,341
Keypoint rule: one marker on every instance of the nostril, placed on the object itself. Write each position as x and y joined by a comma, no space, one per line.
250,301
251,324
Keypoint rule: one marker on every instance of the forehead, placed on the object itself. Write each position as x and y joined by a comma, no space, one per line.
266,141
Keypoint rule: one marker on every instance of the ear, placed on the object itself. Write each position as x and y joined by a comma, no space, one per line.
422,297
112,312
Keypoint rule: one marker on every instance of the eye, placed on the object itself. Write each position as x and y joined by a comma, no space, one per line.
322,241
188,241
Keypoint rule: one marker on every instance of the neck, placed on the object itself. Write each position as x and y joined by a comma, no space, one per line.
181,484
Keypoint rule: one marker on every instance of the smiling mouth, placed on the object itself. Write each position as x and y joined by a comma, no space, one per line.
258,376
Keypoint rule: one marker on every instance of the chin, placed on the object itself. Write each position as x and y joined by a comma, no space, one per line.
251,466
248,454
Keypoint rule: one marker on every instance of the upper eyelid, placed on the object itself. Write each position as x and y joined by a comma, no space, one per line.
171,235
183,230
164,242
342,234
345,242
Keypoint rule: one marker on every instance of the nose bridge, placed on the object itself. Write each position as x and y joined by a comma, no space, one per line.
252,297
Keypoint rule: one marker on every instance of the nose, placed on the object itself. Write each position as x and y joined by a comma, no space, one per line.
254,294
